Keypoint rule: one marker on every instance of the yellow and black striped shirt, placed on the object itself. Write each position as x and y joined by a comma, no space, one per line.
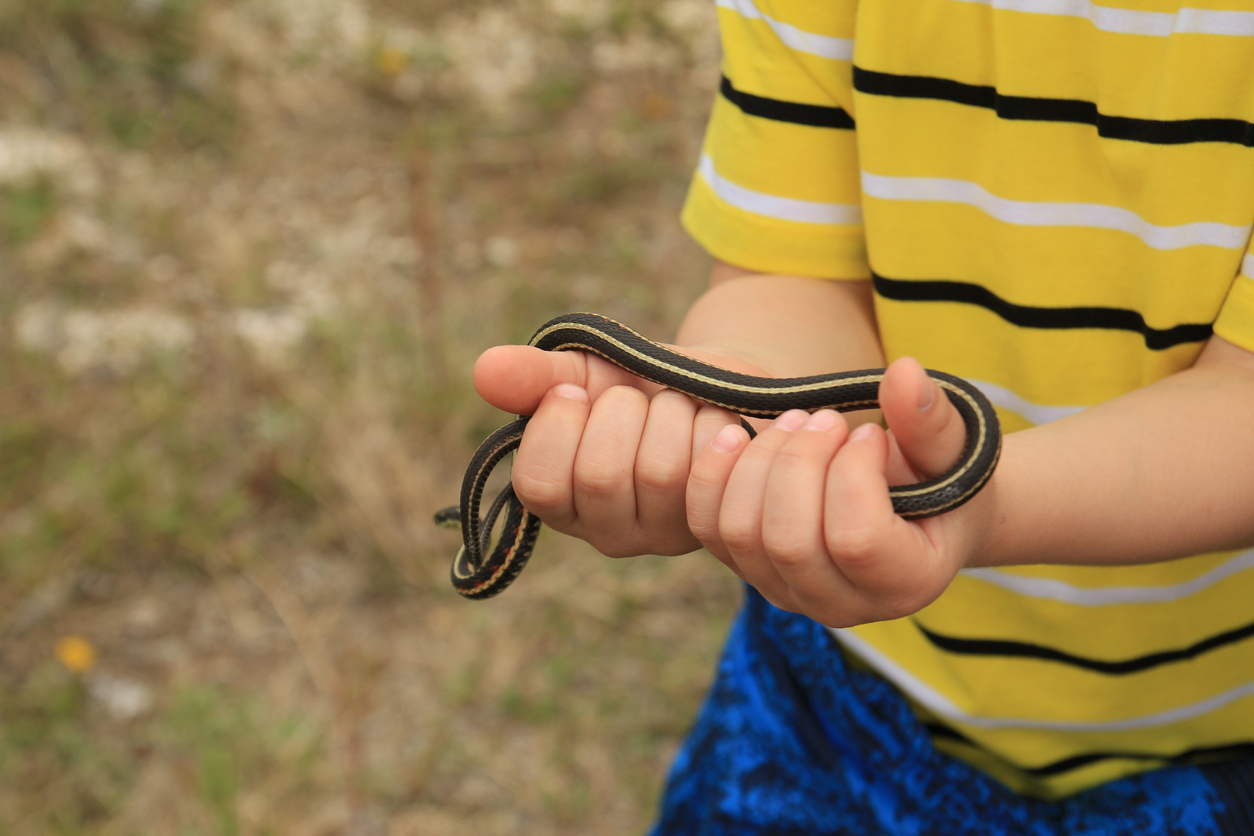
1053,199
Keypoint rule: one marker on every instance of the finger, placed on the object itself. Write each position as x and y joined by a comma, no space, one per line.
720,431
709,422
792,517
604,491
661,471
740,517
543,471
515,378
712,466
927,428
881,554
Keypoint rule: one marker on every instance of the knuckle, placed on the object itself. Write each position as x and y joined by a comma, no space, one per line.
853,546
787,548
670,400
799,451
702,524
703,481
739,535
600,476
793,462
623,397
662,474
540,491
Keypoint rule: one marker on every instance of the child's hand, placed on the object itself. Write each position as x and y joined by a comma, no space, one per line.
606,455
803,513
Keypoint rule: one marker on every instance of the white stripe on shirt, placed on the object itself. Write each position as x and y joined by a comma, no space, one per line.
1032,213
1011,402
1133,21
799,40
774,206
1081,596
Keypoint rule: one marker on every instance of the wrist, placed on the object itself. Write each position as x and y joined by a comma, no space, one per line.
984,524
1006,524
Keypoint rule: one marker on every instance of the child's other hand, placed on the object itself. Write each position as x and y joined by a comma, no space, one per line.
803,514
606,455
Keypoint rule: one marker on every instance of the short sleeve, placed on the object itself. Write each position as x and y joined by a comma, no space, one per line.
777,187
1236,318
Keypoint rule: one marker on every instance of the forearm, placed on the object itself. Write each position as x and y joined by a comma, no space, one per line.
1163,472
786,325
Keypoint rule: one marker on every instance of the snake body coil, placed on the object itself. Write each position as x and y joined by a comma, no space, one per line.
478,573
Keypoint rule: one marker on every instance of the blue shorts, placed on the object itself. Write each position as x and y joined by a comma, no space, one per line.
791,740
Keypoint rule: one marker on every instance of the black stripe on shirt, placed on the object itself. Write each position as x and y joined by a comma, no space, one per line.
1034,109
1027,650
814,116
1028,316
1189,756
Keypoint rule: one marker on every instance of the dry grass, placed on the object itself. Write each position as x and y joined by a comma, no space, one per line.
248,252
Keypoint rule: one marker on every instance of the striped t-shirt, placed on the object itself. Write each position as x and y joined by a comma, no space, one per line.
1054,200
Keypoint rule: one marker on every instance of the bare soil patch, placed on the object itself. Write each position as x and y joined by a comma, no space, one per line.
248,252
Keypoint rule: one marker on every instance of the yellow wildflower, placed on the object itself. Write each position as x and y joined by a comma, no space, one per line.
391,61
76,653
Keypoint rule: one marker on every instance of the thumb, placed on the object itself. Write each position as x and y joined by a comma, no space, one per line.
514,378
927,428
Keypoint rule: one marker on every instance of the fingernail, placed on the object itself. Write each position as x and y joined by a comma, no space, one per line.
791,420
823,420
862,433
927,394
728,439
571,391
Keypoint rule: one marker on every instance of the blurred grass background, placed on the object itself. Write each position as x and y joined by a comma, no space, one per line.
249,250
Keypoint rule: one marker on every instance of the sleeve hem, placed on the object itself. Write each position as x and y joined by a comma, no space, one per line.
768,245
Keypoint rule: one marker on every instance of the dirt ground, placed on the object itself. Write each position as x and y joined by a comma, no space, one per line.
249,250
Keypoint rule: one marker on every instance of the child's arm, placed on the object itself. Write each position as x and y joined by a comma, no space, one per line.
1162,472
802,514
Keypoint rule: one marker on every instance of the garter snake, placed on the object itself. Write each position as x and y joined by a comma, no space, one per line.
478,573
